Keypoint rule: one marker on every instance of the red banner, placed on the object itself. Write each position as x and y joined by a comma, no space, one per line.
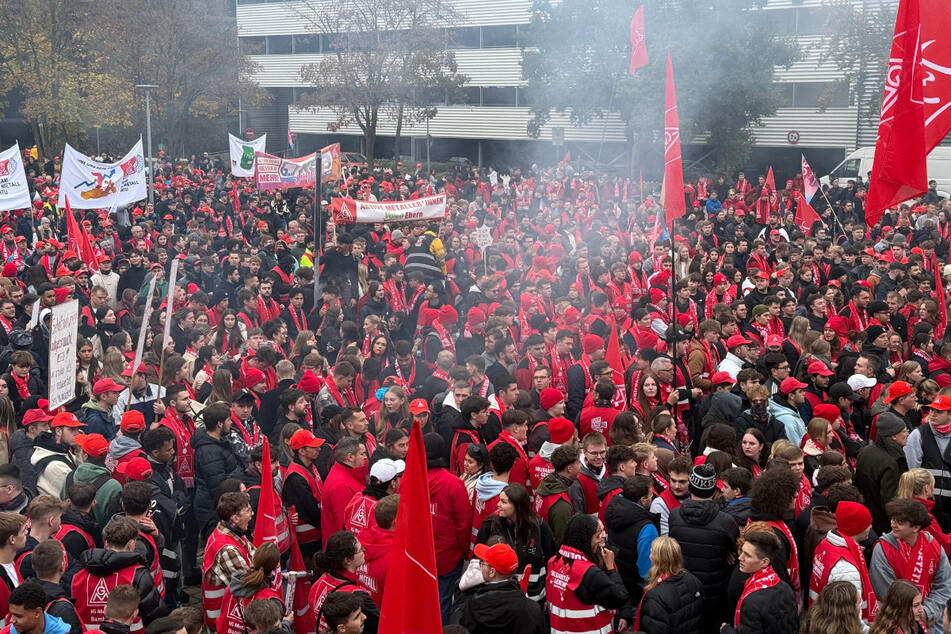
348,210
78,240
638,42
936,64
674,205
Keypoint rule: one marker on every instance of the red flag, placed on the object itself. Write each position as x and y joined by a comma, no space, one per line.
936,66
899,169
773,194
303,612
942,300
411,594
805,214
235,199
674,205
566,159
78,240
265,522
613,352
638,42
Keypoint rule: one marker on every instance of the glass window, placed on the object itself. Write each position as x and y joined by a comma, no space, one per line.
329,42
499,36
812,20
786,93
498,96
279,44
252,45
468,96
306,43
821,94
464,37
846,169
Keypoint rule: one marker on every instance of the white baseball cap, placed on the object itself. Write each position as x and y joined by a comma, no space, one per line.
385,469
858,381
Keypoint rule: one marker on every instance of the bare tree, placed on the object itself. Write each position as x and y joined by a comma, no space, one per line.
389,59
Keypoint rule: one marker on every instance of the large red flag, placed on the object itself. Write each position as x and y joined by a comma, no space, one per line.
805,214
613,352
78,240
936,66
674,205
899,169
411,594
638,42
304,622
265,522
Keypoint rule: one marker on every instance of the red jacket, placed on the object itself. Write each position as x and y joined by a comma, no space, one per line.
376,545
342,484
597,419
449,503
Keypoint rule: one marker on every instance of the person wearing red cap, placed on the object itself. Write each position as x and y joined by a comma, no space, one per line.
52,457
97,411
903,403
723,293
736,357
579,375
784,406
839,557
93,470
499,604
925,448
302,487
141,396
818,376
126,446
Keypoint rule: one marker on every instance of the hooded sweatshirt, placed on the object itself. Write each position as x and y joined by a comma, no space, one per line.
487,487
52,625
119,447
376,543
108,495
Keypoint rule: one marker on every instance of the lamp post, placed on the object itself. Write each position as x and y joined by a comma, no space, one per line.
148,134
98,153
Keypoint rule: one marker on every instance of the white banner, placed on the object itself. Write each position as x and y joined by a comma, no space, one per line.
274,172
94,185
242,154
14,190
172,279
64,329
347,210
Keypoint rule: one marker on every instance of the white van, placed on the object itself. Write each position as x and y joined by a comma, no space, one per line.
859,163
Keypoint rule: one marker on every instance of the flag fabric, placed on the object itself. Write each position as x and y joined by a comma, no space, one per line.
566,159
899,168
330,169
95,185
265,520
242,154
78,240
14,189
773,193
809,181
612,353
290,139
936,62
638,41
942,300
274,172
304,622
805,214
411,594
674,204
235,198
657,232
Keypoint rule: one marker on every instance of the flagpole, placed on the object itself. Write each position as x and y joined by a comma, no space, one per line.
318,180
834,216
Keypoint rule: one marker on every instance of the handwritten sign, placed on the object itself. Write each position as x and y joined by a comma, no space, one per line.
64,329
482,237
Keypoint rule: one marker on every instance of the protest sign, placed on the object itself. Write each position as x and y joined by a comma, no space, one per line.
274,172
347,210
242,154
64,329
94,185
14,190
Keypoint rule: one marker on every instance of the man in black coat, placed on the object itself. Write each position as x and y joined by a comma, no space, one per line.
215,460
499,606
707,537
631,531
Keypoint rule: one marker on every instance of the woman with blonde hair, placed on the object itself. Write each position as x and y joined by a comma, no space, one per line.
250,585
113,364
673,597
393,412
901,610
918,484
910,372
834,612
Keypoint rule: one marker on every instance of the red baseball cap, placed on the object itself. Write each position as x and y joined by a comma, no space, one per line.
34,416
142,369
736,340
790,385
106,385
132,421
305,438
898,389
820,368
418,406
941,402
500,556
720,378
137,468
774,341
93,445
66,419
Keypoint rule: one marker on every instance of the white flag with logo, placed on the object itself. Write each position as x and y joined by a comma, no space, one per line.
242,154
94,185
14,190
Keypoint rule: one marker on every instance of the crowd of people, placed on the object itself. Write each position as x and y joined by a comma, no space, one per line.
744,428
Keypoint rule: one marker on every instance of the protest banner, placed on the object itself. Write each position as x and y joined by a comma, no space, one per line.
242,154
14,190
330,163
64,330
94,185
273,172
347,210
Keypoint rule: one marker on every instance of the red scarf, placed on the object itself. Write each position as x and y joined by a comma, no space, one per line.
444,338
395,293
804,495
335,393
483,388
365,350
559,371
297,319
759,580
22,388
408,384
860,320
792,565
442,376
7,326
712,301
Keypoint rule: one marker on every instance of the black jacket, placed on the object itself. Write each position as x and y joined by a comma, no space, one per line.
61,605
73,543
739,509
771,428
297,493
502,608
270,403
707,538
624,520
101,562
536,554
770,610
215,461
673,606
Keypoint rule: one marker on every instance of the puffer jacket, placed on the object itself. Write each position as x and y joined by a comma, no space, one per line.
21,450
788,416
771,428
101,562
214,462
770,610
61,606
673,606
502,608
107,497
98,420
707,537
624,521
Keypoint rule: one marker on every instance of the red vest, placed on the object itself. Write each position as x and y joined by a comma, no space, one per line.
604,503
538,468
231,619
212,592
457,453
305,532
156,568
826,557
325,585
519,472
568,614
184,456
358,515
480,511
590,489
544,504
92,593
66,529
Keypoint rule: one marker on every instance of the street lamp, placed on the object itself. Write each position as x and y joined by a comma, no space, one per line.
98,153
148,134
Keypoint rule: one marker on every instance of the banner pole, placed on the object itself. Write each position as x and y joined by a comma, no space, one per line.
318,180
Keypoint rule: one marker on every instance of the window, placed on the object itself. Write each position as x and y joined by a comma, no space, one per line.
524,97
820,94
499,36
329,42
252,45
306,43
498,96
846,169
279,45
464,37
468,96
303,93
811,20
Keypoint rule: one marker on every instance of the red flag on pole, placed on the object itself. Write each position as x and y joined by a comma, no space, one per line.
942,300
805,214
638,42
411,594
304,622
899,169
235,199
936,62
265,521
674,205
613,352
78,240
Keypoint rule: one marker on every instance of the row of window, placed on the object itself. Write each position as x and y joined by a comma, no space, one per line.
814,94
